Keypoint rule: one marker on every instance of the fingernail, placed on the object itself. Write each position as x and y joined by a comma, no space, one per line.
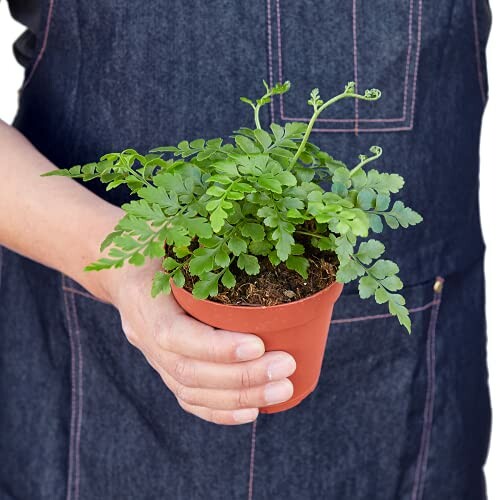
277,392
280,368
249,350
243,416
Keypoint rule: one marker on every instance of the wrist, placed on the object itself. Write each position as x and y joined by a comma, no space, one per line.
98,283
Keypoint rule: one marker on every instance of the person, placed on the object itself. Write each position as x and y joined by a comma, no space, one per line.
108,393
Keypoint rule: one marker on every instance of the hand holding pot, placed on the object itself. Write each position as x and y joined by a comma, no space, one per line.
220,376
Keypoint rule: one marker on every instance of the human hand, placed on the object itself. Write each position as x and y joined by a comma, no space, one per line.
220,376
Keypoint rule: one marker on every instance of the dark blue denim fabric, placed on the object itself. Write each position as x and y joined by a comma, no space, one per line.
394,417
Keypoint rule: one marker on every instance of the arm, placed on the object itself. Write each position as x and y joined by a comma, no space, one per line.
219,376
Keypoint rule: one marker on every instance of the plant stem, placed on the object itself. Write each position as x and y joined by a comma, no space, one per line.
306,233
314,117
256,110
377,154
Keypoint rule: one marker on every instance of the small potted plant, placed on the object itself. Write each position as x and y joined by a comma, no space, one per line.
258,234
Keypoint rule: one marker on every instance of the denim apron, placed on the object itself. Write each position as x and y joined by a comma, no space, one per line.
394,416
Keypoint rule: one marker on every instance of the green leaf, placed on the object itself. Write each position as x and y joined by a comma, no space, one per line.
161,284
304,174
271,183
202,263
405,215
260,247
327,244
281,152
246,144
398,309
227,167
249,263
278,131
206,286
370,250
137,259
253,230
382,202
109,239
247,101
237,245
287,179
283,235
367,287
349,270
159,196
222,258
170,264
243,187
178,278
381,295
270,216
217,218
263,137
273,258
365,199
228,279
299,264
375,222
216,191
196,226
383,268
154,249
392,283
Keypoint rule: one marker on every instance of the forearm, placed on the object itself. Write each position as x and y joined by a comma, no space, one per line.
52,220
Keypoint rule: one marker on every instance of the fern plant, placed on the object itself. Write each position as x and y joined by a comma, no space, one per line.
218,204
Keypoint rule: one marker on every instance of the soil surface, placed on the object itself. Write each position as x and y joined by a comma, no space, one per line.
276,285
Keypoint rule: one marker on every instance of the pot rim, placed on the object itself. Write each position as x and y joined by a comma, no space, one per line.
256,308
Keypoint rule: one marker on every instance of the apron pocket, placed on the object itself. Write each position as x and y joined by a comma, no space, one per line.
365,430
376,44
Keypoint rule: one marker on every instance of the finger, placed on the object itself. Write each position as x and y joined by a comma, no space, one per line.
272,366
231,399
193,339
221,417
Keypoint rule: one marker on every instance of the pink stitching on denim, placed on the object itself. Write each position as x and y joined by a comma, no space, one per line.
421,466
355,62
417,61
370,120
44,45
80,399
479,68
280,61
71,450
270,53
381,316
83,294
252,459
408,59
407,68
394,129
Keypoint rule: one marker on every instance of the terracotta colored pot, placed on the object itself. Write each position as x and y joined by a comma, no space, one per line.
299,328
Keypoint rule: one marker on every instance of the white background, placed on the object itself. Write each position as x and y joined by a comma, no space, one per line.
11,75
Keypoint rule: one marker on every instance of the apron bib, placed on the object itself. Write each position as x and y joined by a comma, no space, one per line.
394,417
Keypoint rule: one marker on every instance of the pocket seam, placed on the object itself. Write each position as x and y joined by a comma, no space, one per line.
407,108
251,469
43,47
73,479
423,455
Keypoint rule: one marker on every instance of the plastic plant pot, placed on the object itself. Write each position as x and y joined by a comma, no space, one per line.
299,328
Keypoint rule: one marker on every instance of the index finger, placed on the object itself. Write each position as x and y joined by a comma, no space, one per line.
193,339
